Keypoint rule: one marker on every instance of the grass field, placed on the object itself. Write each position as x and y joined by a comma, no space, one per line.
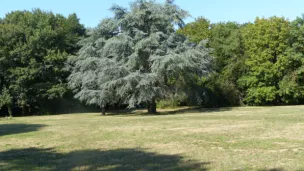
248,138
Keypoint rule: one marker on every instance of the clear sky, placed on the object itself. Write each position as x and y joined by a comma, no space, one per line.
91,12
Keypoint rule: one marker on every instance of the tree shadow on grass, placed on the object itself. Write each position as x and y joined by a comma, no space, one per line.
196,110
272,169
167,111
110,160
8,129
268,169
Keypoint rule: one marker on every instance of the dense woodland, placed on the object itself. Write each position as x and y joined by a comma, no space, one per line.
146,56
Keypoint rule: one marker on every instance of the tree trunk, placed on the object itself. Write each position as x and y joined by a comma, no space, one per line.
152,106
149,107
23,110
10,111
103,110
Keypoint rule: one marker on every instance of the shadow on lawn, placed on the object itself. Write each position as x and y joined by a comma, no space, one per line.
167,111
272,169
196,110
111,160
7,129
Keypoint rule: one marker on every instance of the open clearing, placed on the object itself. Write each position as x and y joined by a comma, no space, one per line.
245,138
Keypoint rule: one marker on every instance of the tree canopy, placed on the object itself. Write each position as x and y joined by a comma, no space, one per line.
34,46
256,63
136,57
146,55
267,47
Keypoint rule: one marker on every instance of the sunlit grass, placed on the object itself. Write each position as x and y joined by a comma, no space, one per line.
248,138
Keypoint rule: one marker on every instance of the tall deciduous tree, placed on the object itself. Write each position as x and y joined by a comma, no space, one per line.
136,57
33,49
266,43
228,64
225,40
291,86
198,30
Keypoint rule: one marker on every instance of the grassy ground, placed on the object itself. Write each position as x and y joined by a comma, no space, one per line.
257,138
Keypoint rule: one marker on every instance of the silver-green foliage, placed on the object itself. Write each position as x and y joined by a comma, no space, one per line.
133,57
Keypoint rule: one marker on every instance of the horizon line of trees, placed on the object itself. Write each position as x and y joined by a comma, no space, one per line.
259,63
147,56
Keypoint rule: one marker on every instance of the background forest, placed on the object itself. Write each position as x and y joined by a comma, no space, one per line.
146,56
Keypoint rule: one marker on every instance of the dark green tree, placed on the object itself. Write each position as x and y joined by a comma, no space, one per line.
291,86
225,40
6,100
33,49
228,65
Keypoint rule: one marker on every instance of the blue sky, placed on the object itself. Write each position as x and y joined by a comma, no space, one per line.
91,12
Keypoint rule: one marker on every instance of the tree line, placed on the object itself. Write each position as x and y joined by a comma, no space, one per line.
259,63
145,56
34,46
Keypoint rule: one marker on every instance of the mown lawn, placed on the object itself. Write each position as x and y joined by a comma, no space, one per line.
248,138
